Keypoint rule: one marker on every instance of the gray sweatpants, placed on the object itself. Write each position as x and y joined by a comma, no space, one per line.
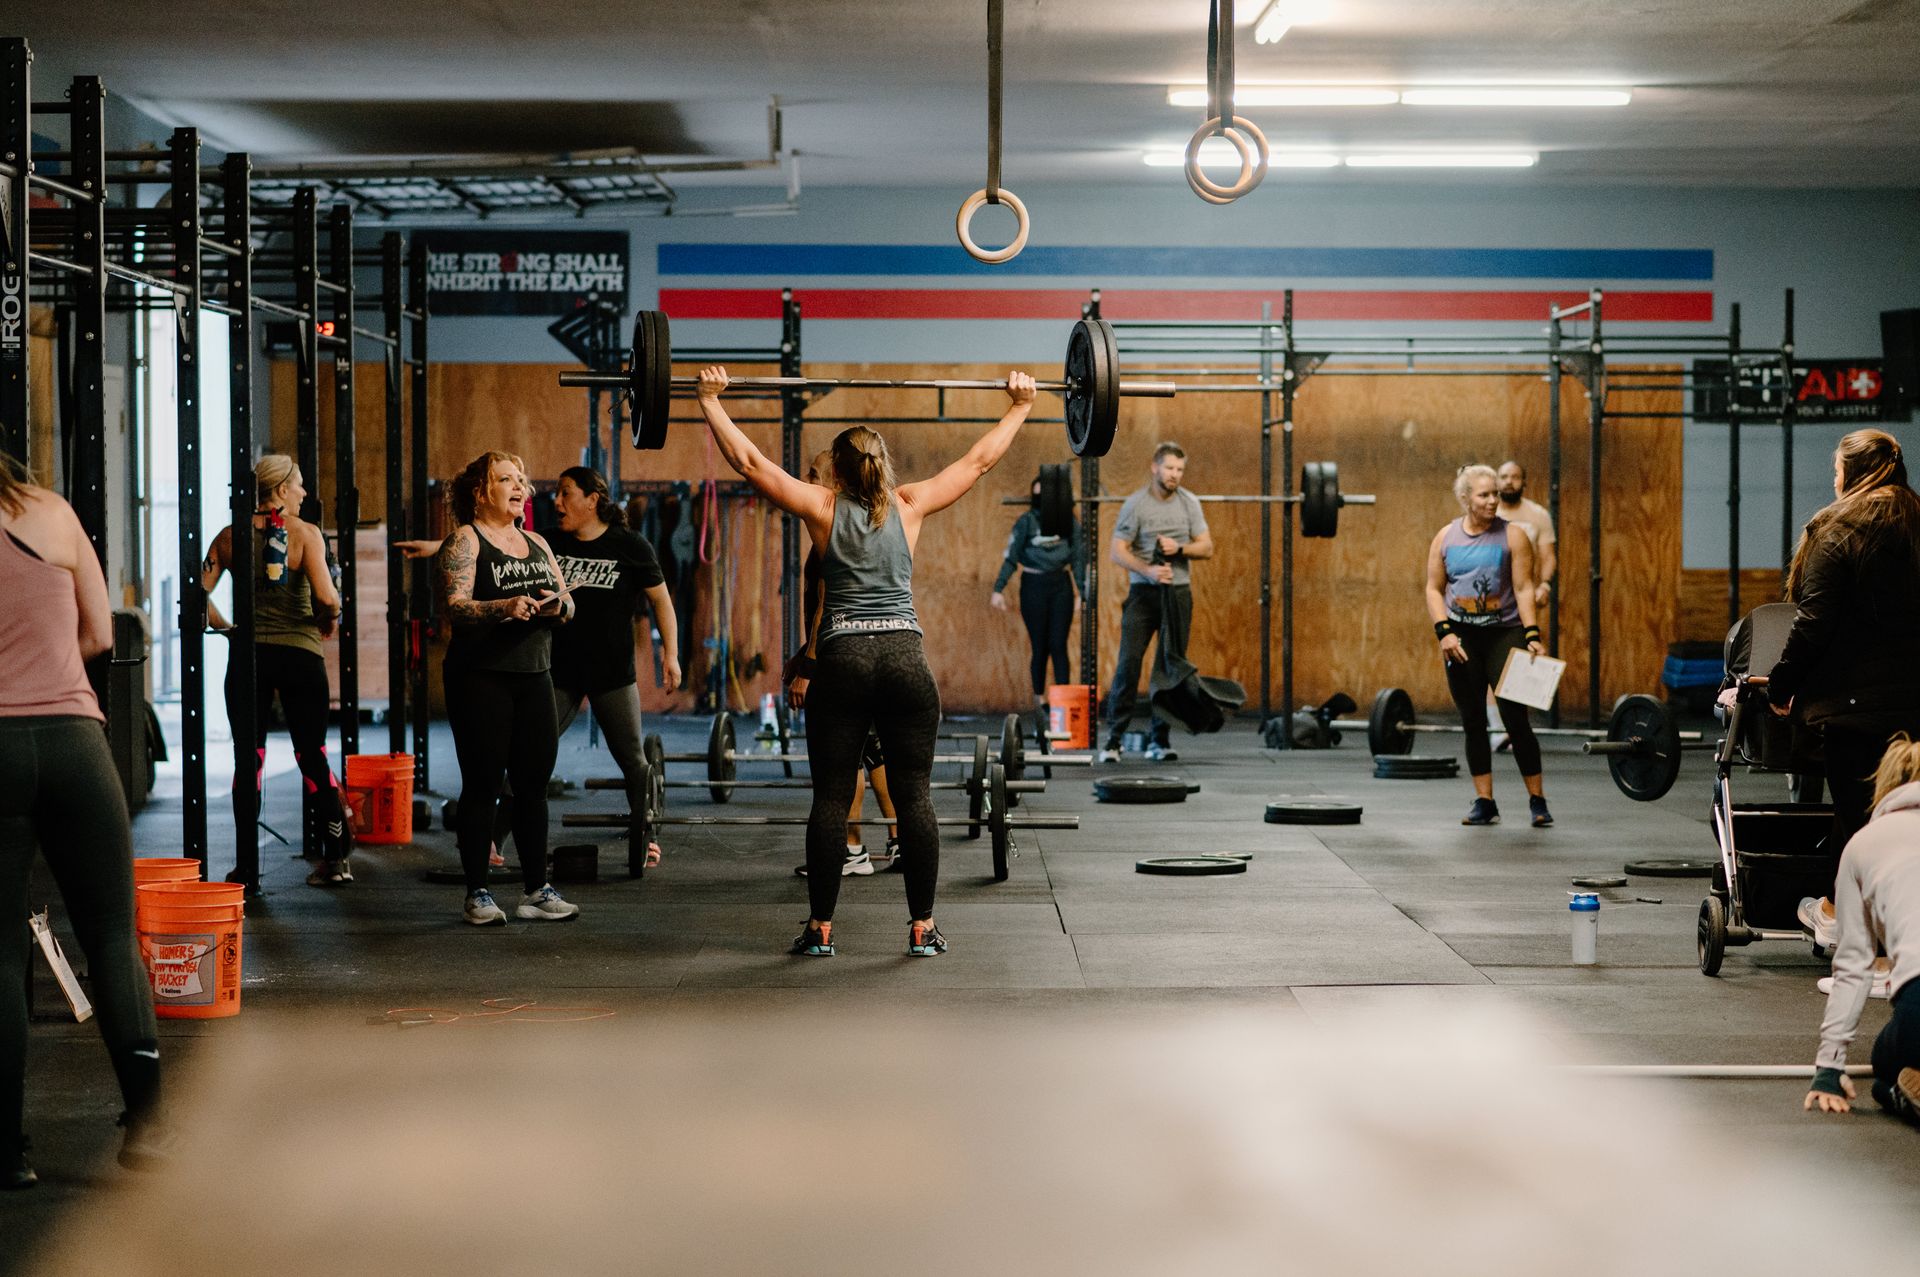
617,710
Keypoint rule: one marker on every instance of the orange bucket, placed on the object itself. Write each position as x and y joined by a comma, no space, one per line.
165,869
196,894
379,790
192,956
1070,710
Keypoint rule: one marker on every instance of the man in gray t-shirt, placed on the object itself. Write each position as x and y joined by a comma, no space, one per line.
1161,528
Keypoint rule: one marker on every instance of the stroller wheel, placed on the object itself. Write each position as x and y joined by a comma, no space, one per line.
1711,936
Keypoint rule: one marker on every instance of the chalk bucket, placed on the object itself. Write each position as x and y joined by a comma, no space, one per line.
165,869
1070,710
379,789
190,943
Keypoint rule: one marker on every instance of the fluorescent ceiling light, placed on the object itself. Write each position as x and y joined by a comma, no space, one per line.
1513,97
1445,159
1288,95
1283,14
1220,153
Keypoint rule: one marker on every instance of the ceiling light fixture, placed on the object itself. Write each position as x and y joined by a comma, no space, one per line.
1445,159
1219,153
1288,95
1284,14
1471,96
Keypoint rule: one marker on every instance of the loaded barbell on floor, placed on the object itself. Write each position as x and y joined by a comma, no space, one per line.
1319,499
994,817
1091,384
1642,744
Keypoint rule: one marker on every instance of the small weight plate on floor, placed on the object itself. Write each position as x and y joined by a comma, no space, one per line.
1599,882
576,862
1313,812
1191,866
1233,855
1386,733
1672,868
1409,767
1140,789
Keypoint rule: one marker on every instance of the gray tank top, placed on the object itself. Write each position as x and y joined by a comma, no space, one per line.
868,573
1479,575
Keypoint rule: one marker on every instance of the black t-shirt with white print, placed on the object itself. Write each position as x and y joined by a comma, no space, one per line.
609,576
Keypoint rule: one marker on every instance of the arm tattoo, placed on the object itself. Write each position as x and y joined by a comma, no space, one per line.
457,565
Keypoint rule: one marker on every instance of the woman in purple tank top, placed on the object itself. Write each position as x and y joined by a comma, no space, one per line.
1480,599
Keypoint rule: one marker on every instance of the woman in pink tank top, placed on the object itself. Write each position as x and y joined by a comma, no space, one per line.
59,793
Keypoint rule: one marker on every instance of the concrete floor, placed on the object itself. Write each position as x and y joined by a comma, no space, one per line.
1446,939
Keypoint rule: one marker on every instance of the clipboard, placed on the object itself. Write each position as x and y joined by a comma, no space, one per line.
1530,680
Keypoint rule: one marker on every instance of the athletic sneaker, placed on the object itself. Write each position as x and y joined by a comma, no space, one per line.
925,941
323,874
546,905
16,1171
482,912
149,1145
857,862
1158,753
895,863
1111,754
1882,986
814,942
1905,1094
1483,812
1537,808
1815,922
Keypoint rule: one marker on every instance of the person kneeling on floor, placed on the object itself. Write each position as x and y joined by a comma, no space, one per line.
1877,905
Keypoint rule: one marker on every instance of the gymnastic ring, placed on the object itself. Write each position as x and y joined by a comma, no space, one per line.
1251,170
970,206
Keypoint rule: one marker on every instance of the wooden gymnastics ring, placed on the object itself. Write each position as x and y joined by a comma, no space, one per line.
1252,169
970,206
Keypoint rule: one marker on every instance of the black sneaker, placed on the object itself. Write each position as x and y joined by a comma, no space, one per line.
1537,807
895,862
814,942
16,1172
149,1144
925,941
1483,812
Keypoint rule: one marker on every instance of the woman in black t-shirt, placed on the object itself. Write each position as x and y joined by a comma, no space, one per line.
608,569
504,595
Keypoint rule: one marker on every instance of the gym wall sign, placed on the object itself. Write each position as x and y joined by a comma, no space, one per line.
1823,390
510,272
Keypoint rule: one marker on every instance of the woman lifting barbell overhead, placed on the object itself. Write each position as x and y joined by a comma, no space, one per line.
870,668
1480,599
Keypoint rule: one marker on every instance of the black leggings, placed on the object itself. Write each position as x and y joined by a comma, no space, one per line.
300,677
880,680
58,791
1898,1046
1851,752
1470,681
502,724
1046,605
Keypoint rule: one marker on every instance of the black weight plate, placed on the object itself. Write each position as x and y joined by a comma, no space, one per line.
1672,868
1013,749
1648,775
450,815
654,750
422,814
650,380
720,764
1411,764
1385,735
1056,500
1191,866
1093,405
977,788
1140,789
1320,504
1312,812
997,821
1600,880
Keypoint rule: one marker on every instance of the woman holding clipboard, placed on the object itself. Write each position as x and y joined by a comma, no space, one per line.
1480,598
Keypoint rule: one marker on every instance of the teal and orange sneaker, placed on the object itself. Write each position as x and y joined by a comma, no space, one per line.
814,942
925,941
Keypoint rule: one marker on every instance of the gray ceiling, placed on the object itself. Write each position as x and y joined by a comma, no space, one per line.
881,92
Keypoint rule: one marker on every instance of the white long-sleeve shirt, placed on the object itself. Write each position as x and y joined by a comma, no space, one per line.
1876,901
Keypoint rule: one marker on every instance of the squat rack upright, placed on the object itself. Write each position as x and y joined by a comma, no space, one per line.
59,256
1284,365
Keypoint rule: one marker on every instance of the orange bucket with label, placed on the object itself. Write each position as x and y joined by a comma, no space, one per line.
1070,710
165,869
378,789
191,948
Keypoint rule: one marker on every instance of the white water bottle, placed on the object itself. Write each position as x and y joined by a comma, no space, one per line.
1584,909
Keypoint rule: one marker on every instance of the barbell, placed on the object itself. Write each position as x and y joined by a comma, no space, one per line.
994,816
1319,499
1091,384
1642,744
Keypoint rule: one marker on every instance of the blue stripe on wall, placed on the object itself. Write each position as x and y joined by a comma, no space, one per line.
790,261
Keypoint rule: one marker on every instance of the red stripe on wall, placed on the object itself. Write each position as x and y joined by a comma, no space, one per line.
1058,303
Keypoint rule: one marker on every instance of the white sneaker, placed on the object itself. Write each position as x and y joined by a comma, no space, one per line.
1815,922
545,905
1162,754
1882,986
482,912
857,862
1110,755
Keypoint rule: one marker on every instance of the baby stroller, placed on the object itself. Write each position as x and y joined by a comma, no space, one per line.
1772,854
